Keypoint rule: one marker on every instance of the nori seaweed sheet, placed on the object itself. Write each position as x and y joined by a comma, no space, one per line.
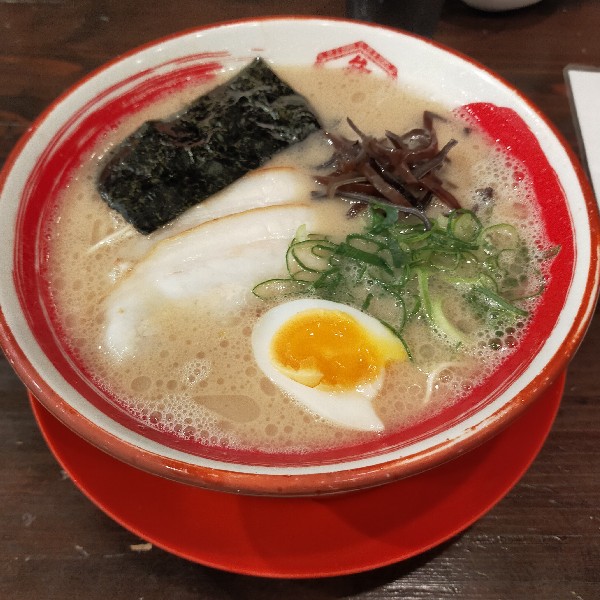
165,167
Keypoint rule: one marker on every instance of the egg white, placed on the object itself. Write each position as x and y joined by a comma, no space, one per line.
351,409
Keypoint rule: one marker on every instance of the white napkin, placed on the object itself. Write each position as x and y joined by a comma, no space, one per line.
584,86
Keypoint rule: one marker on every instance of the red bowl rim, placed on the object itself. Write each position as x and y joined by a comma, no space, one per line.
328,482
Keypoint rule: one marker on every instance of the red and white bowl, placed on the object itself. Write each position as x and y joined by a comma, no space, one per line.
43,159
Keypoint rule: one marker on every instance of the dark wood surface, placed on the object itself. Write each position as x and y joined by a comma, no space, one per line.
541,541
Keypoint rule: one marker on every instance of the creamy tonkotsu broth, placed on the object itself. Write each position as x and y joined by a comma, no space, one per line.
190,369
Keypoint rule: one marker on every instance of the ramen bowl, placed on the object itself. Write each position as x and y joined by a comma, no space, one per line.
44,160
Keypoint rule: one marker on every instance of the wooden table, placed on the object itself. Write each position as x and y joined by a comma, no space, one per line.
541,541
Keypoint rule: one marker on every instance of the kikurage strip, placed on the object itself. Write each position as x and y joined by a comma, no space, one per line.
400,169
165,167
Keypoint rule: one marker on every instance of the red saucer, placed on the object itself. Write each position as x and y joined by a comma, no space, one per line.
305,537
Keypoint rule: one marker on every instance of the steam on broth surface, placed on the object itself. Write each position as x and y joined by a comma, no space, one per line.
186,363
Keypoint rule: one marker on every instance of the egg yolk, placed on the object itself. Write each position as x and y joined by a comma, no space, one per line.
331,349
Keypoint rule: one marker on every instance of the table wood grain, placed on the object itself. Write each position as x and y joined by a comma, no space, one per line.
542,541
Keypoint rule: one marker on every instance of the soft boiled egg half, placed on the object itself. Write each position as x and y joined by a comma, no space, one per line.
328,357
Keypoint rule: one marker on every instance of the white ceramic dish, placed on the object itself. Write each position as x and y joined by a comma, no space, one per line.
499,5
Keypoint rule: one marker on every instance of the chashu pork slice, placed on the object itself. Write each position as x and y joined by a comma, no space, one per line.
218,262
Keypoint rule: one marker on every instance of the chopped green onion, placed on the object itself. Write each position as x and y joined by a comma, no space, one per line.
277,288
464,225
389,269
495,301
